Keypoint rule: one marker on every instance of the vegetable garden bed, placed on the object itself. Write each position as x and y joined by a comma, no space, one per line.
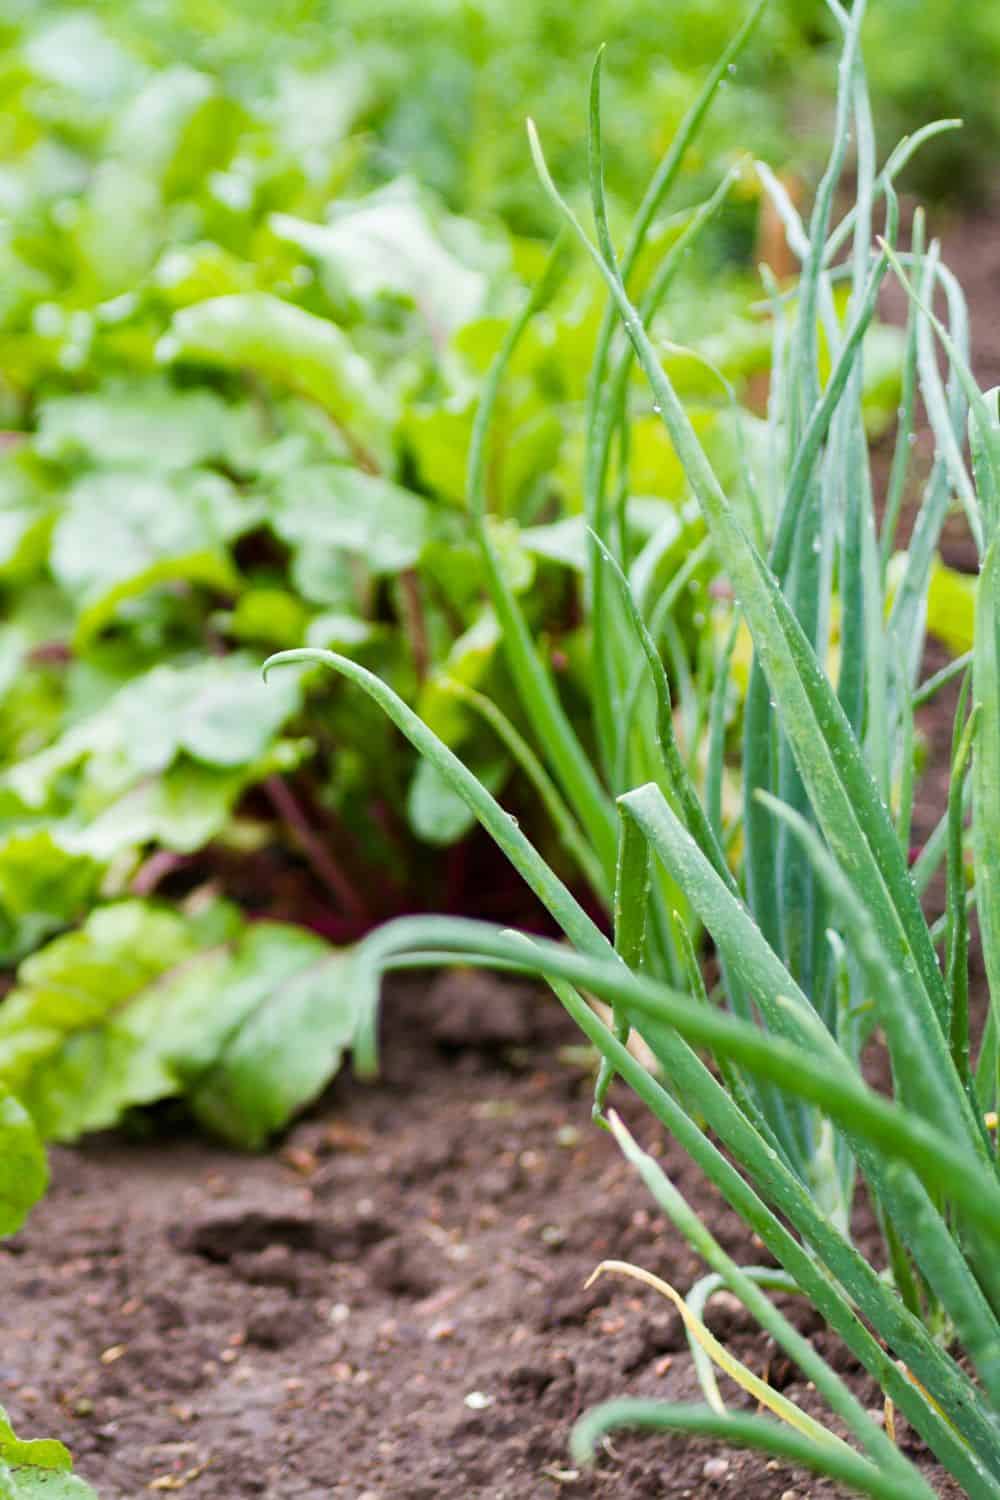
393,1305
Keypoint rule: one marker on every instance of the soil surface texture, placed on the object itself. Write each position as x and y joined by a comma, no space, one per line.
391,1305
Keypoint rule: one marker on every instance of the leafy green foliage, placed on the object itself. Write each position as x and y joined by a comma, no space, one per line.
818,929
23,1172
241,368
37,1468
142,1003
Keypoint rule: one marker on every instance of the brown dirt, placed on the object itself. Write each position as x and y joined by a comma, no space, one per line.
393,1304
318,1322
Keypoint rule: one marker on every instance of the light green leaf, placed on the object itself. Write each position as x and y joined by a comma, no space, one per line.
273,615
42,1484
183,809
144,424
43,886
37,1453
283,1010
24,1173
80,1032
27,511
467,662
330,505
141,1004
119,226
164,760
296,349
436,812
386,246
951,607
331,630
124,532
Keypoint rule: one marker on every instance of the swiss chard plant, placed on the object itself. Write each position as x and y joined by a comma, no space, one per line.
806,887
241,377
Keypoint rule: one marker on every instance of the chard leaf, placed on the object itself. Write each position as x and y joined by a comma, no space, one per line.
143,1004
144,424
24,1173
217,713
951,608
294,348
80,1032
269,1027
331,505
27,512
435,811
36,1453
387,247
126,531
43,886
42,1484
185,808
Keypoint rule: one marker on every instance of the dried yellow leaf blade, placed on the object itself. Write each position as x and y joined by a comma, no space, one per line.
765,1394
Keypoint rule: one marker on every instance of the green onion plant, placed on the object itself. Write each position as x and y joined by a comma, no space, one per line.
807,893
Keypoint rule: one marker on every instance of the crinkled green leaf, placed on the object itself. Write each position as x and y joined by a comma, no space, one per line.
118,229
173,129
294,348
267,1033
143,424
124,532
217,712
43,886
42,1484
79,1033
27,511
143,1003
36,1453
386,246
331,505
24,1172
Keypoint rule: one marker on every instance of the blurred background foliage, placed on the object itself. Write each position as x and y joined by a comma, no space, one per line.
254,263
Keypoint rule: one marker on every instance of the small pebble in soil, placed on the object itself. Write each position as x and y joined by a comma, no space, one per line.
478,1400
716,1470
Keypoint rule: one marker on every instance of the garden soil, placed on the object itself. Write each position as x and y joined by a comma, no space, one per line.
392,1305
